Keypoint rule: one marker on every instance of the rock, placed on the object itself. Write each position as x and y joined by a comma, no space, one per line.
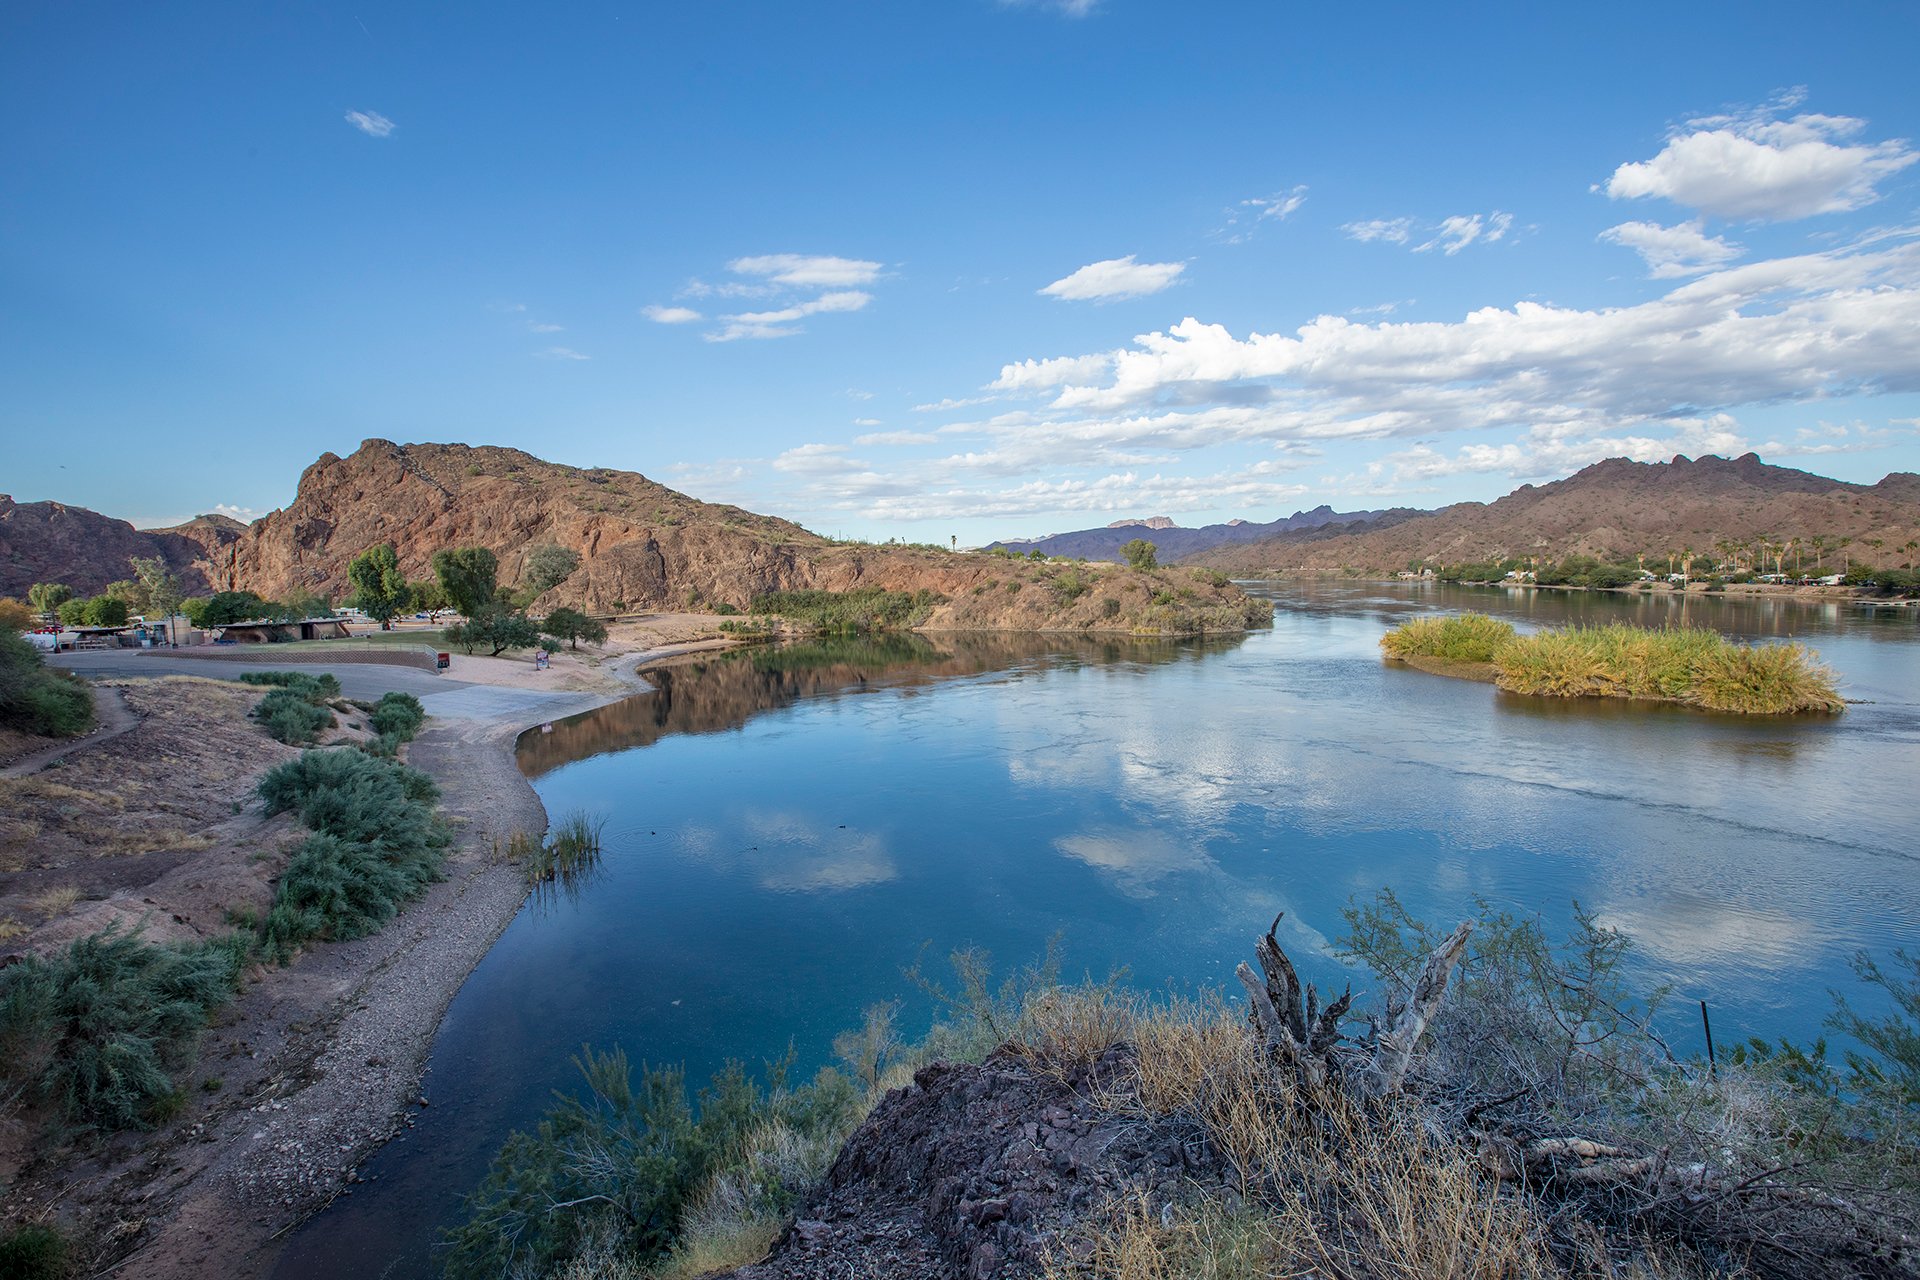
976,1171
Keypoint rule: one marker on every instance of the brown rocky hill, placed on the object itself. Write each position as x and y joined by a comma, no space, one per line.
644,546
53,542
1618,509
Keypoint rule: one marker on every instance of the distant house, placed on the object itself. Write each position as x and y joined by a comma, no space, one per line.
1832,580
281,632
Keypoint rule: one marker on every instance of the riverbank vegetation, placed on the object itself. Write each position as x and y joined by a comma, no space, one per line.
1543,1129
849,612
1690,665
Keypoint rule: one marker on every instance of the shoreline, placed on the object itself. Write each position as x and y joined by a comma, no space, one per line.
319,1065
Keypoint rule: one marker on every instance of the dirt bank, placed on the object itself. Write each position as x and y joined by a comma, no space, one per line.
312,1067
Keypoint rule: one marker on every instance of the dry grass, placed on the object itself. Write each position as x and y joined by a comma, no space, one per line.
55,902
1322,1184
11,928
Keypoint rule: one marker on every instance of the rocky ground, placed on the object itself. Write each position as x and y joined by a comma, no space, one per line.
978,1171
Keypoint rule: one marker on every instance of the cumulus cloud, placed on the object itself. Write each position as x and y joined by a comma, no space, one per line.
1038,375
802,270
1760,165
1114,279
671,315
1391,230
1682,250
371,123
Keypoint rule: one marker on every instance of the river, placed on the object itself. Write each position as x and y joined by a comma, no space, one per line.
787,829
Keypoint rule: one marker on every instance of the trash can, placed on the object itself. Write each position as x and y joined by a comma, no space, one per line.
443,661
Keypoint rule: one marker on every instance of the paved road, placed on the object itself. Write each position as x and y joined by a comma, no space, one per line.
365,680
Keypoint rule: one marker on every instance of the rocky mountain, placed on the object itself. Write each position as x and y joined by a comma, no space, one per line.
1615,509
53,542
1174,543
642,546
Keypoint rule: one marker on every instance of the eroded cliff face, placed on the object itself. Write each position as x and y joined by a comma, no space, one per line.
642,545
54,542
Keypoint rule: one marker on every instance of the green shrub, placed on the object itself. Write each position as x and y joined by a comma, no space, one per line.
290,718
398,714
98,1027
626,1163
33,1252
377,844
321,688
36,699
866,609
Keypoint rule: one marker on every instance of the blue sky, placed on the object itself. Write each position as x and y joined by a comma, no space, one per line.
964,268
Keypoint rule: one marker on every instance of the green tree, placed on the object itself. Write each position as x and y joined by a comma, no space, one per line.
469,576
380,588
571,625
496,629
224,607
162,588
73,613
105,611
1141,554
428,595
132,593
46,597
546,568
15,616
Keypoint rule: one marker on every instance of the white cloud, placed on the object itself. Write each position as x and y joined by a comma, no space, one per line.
866,422
547,328
1037,375
671,315
1391,230
806,270
1461,230
1758,165
895,437
1682,250
371,123
561,353
1114,279
778,324
245,515
1065,8
1260,208
951,403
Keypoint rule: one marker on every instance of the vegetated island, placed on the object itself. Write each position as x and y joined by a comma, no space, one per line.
1694,666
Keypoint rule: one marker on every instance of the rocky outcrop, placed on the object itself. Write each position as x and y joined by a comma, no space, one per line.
976,1171
1617,509
54,542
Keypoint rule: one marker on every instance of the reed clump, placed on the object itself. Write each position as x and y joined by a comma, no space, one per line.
1691,665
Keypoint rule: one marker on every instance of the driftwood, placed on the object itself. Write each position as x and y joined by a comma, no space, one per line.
1297,1031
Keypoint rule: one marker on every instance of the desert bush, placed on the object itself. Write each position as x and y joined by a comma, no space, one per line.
866,609
397,714
36,699
33,1252
617,1169
317,688
97,1028
377,845
287,717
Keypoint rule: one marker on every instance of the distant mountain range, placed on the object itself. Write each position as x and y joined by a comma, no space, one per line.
1615,509
1174,543
53,542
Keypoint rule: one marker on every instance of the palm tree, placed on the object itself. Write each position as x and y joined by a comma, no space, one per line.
1912,546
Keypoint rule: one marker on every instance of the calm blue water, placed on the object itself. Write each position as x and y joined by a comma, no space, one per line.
785,830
